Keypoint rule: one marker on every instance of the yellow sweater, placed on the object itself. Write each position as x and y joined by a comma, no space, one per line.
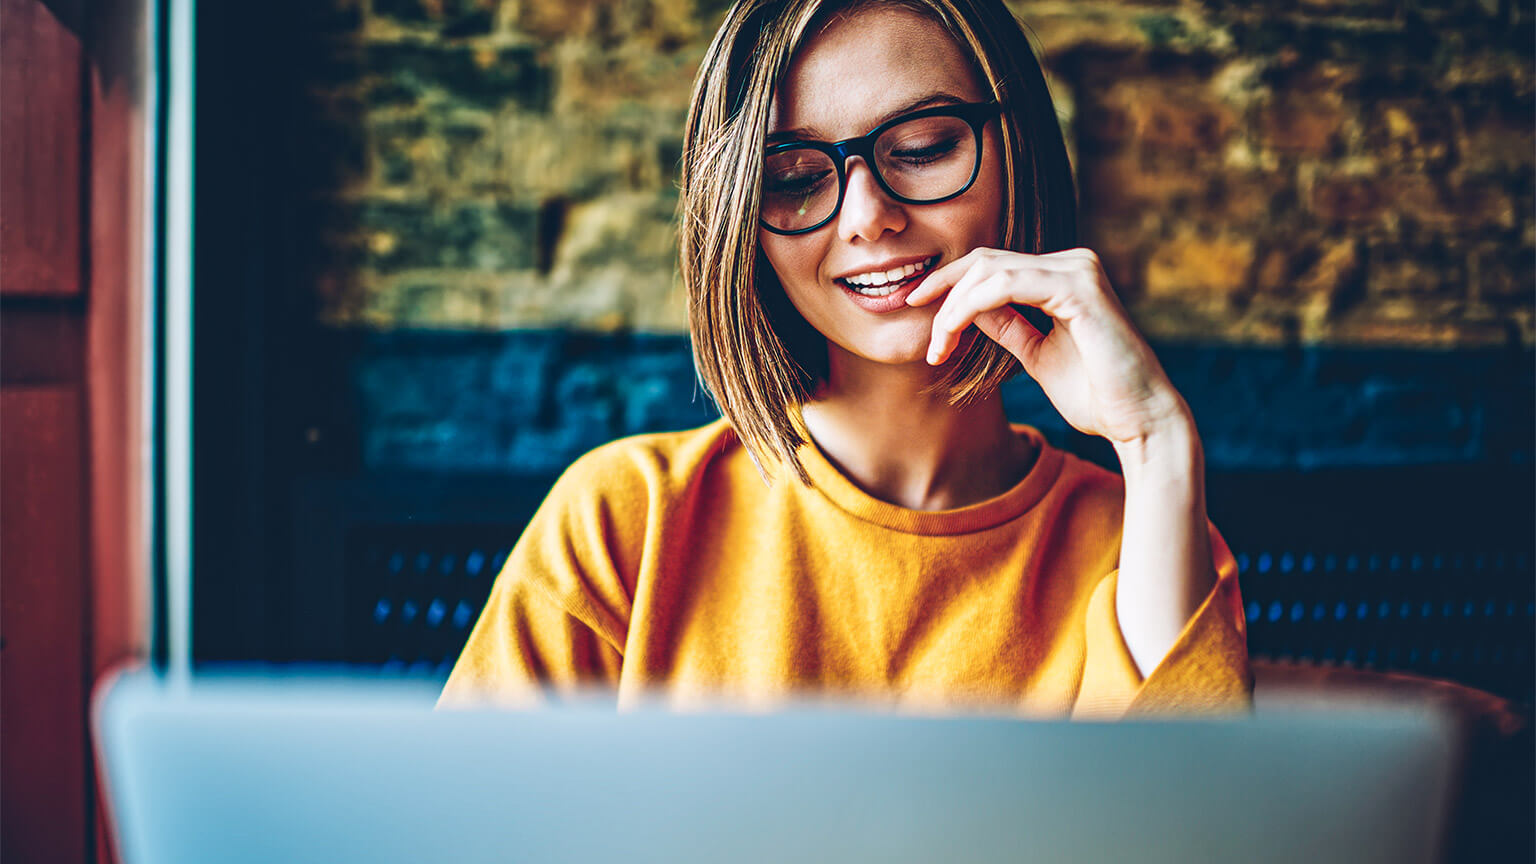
664,566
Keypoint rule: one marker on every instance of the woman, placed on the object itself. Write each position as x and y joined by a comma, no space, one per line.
872,191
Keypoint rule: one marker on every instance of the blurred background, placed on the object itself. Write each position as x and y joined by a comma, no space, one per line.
433,262
436,263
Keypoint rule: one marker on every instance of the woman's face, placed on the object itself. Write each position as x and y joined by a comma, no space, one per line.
856,73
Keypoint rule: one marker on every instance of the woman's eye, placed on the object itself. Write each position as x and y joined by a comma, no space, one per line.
796,183
922,153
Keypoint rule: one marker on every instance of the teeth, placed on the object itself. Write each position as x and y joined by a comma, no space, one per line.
895,274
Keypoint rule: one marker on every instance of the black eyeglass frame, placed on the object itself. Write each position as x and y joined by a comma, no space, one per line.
975,114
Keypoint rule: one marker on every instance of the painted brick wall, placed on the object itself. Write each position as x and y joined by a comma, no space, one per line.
1353,173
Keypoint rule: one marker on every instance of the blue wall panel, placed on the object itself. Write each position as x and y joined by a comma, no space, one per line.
532,401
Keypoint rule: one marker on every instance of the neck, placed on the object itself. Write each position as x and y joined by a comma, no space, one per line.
910,448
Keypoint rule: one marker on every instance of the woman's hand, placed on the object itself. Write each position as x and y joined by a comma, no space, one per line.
1094,366
1104,379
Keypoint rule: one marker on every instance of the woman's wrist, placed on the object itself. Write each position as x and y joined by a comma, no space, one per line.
1168,447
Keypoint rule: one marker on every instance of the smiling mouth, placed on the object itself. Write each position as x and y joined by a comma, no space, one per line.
881,284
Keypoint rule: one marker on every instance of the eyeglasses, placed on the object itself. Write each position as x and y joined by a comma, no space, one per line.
924,157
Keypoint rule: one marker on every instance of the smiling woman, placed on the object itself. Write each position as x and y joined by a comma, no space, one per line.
872,191
749,351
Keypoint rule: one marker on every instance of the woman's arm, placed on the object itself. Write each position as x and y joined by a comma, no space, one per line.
1104,380
1165,549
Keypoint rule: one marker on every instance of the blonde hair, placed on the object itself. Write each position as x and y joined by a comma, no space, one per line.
756,355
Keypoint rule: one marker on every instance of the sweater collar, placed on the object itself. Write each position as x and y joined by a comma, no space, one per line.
838,489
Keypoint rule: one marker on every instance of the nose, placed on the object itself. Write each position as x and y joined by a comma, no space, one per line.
867,211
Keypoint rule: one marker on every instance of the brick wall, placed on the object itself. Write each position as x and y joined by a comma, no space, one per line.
1354,173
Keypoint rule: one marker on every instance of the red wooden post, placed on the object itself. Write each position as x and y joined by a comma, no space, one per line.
115,348
43,504
72,534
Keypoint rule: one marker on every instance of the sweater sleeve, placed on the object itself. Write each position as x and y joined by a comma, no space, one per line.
557,615
1204,672
526,648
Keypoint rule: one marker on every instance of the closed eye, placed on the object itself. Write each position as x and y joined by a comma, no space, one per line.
921,155
790,185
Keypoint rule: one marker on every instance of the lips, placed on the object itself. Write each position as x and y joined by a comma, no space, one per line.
892,296
887,279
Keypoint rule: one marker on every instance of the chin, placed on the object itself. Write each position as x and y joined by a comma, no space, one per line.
894,355
895,346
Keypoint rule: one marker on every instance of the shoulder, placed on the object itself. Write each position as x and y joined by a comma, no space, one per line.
1082,477
640,470
599,521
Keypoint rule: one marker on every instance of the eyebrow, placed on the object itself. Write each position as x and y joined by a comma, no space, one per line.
806,133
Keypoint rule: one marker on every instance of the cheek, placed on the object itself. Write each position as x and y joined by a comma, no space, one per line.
783,257
793,259
775,252
993,183
979,214
986,199
976,219
766,243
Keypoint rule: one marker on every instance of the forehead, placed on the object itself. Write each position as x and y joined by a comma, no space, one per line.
862,66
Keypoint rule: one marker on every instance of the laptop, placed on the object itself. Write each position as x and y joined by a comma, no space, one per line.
253,769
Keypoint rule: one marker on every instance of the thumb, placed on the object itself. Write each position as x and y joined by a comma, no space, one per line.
1005,326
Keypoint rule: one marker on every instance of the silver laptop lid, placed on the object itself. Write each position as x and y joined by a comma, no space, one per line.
264,770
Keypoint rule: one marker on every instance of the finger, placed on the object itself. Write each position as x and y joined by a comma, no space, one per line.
1024,287
1013,331
945,335
1057,287
1081,253
968,300
944,278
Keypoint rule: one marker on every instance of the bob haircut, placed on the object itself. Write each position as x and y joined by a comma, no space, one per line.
755,354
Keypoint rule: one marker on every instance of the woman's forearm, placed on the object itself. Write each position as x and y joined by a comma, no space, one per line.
1165,557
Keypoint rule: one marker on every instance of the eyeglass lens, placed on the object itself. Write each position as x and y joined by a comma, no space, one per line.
924,159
